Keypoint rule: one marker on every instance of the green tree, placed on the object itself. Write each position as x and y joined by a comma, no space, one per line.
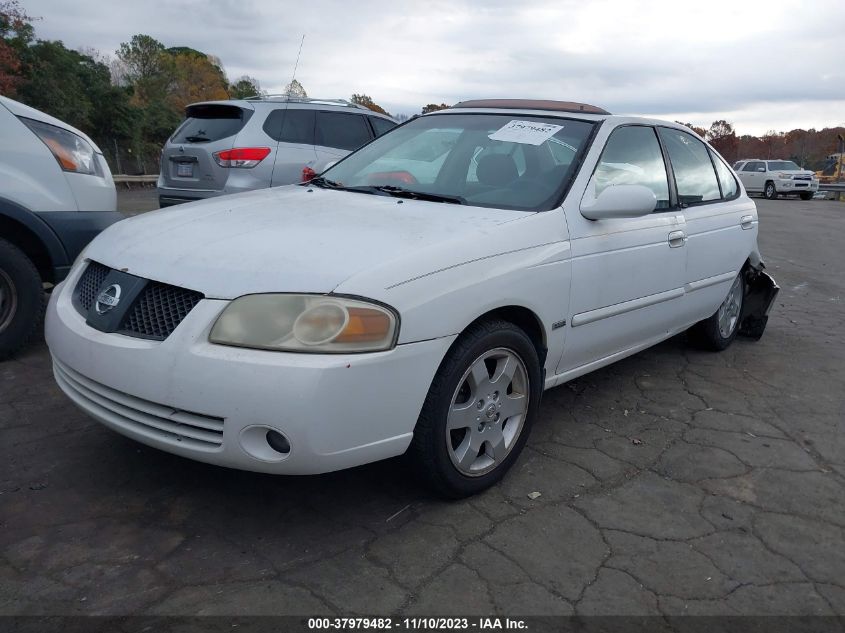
244,87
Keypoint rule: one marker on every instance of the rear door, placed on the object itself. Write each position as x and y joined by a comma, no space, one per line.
339,133
293,129
720,225
187,161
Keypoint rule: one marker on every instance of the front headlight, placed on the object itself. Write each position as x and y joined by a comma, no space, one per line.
72,152
306,323
785,176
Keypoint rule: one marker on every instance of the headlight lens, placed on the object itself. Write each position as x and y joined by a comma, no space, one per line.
785,176
305,323
72,152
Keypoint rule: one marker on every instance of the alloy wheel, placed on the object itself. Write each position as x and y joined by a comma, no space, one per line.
730,309
487,412
8,300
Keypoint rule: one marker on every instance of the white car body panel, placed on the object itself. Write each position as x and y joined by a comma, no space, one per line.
617,284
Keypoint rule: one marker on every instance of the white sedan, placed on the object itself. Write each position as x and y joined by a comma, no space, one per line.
376,311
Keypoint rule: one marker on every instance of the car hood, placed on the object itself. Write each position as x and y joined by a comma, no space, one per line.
296,239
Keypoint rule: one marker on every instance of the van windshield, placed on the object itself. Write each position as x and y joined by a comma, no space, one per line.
509,161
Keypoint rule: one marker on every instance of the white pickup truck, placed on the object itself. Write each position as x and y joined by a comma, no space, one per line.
775,178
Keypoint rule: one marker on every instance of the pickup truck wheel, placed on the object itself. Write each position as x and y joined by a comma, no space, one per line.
769,191
806,195
718,332
21,299
479,409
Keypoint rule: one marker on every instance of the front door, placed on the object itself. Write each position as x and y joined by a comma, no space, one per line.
753,175
627,274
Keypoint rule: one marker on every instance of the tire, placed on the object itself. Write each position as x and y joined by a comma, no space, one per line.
490,411
769,191
21,299
718,331
806,195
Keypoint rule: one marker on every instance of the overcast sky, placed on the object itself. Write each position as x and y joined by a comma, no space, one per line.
760,64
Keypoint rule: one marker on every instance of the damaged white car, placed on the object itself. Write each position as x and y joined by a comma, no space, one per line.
416,298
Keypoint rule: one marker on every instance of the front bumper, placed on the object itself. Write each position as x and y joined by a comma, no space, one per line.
796,186
215,403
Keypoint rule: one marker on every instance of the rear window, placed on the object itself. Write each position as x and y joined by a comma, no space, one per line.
208,123
341,130
788,165
381,125
291,126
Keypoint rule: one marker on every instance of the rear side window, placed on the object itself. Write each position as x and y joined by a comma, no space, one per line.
381,125
726,179
208,123
694,173
341,130
754,166
632,156
291,126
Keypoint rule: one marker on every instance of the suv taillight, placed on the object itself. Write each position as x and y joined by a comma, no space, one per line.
245,157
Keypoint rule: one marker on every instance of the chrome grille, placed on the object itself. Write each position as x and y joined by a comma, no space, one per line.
144,417
802,178
89,285
158,311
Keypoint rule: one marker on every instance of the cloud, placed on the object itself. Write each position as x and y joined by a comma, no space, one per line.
712,59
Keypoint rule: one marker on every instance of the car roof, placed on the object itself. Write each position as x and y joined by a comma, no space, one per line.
250,103
534,108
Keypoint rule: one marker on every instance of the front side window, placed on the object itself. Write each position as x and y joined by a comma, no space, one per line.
632,156
507,161
380,126
341,130
695,177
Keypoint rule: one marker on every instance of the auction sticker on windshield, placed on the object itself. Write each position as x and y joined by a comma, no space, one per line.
527,132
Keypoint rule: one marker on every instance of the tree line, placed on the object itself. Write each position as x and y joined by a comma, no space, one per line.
131,102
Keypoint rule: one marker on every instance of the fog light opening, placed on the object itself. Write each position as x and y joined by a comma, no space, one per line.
278,442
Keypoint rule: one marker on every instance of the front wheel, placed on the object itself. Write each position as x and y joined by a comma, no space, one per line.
478,412
719,330
806,195
21,299
769,191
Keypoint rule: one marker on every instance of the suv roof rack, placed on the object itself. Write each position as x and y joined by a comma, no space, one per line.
532,104
288,99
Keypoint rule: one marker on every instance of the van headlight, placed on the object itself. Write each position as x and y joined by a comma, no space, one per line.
306,323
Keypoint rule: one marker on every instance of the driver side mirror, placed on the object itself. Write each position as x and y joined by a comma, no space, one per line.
761,170
621,201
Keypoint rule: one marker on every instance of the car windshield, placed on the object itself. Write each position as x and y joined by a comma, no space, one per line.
783,165
508,161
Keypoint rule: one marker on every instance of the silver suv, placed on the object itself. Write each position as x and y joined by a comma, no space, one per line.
231,146
775,178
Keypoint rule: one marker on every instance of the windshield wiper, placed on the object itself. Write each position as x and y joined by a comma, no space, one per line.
401,192
197,139
325,183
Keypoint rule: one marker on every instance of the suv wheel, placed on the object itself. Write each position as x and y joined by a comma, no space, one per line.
479,409
21,299
769,191
806,195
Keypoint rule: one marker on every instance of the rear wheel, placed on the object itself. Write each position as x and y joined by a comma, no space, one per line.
718,332
806,195
478,412
21,299
769,191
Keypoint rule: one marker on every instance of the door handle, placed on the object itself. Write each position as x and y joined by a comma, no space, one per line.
677,238
746,222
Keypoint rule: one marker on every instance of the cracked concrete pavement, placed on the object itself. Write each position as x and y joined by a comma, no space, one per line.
673,482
